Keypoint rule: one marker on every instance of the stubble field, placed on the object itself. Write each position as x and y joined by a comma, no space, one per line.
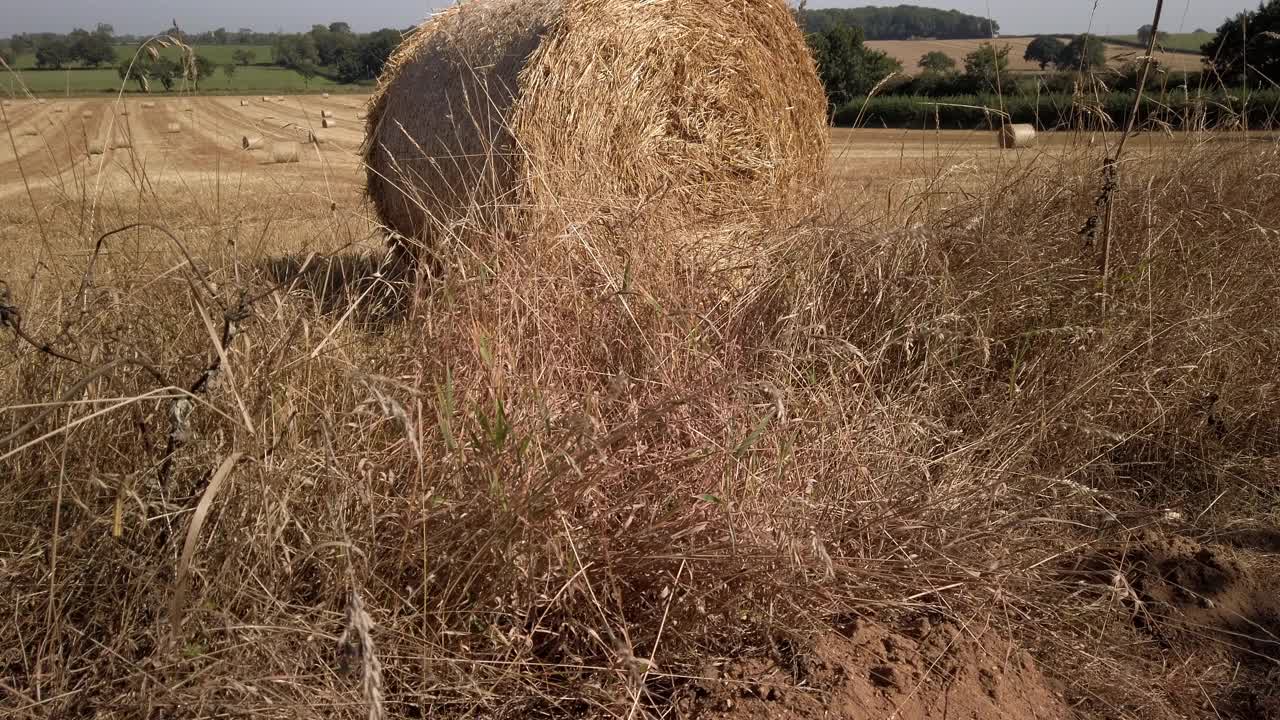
934,450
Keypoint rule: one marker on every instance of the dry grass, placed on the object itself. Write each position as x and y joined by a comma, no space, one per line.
569,472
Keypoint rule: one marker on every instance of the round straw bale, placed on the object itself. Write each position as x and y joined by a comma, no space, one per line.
96,147
284,152
173,128
266,99
60,109
86,115
696,111
251,142
41,101
1017,136
316,138
244,103
148,104
328,122
326,113
324,95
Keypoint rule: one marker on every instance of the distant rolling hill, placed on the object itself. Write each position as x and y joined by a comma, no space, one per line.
908,53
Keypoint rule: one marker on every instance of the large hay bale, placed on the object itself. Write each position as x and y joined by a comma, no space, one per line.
326,113
251,142
697,111
1017,136
328,122
244,103
284,152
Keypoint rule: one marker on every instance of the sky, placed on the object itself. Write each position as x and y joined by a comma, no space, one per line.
1016,17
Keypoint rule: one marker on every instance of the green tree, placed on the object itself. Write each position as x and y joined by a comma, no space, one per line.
1253,36
365,62
91,49
53,54
220,36
166,72
1144,35
128,70
21,45
937,61
6,54
197,69
986,65
847,67
340,28
243,57
1044,50
1084,53
229,71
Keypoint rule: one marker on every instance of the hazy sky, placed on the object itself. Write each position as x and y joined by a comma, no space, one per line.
144,16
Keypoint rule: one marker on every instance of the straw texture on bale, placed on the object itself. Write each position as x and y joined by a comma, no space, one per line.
284,152
576,111
251,142
1017,136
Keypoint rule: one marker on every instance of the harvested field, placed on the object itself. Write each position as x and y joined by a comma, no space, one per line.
909,52
906,462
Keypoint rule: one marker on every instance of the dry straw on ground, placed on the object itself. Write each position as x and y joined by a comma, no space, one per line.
590,110
1015,136
284,152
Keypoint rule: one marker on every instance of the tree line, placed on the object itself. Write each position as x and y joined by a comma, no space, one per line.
333,51
903,22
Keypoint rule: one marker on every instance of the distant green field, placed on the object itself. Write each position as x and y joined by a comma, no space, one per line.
1176,42
217,54
248,80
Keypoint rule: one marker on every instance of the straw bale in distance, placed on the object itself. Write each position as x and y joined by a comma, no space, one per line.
96,147
147,105
86,115
251,142
120,142
700,110
284,152
244,103
327,122
326,113
173,128
1017,136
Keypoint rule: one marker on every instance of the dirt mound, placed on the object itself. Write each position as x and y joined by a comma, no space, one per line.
1182,585
1219,604
868,670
